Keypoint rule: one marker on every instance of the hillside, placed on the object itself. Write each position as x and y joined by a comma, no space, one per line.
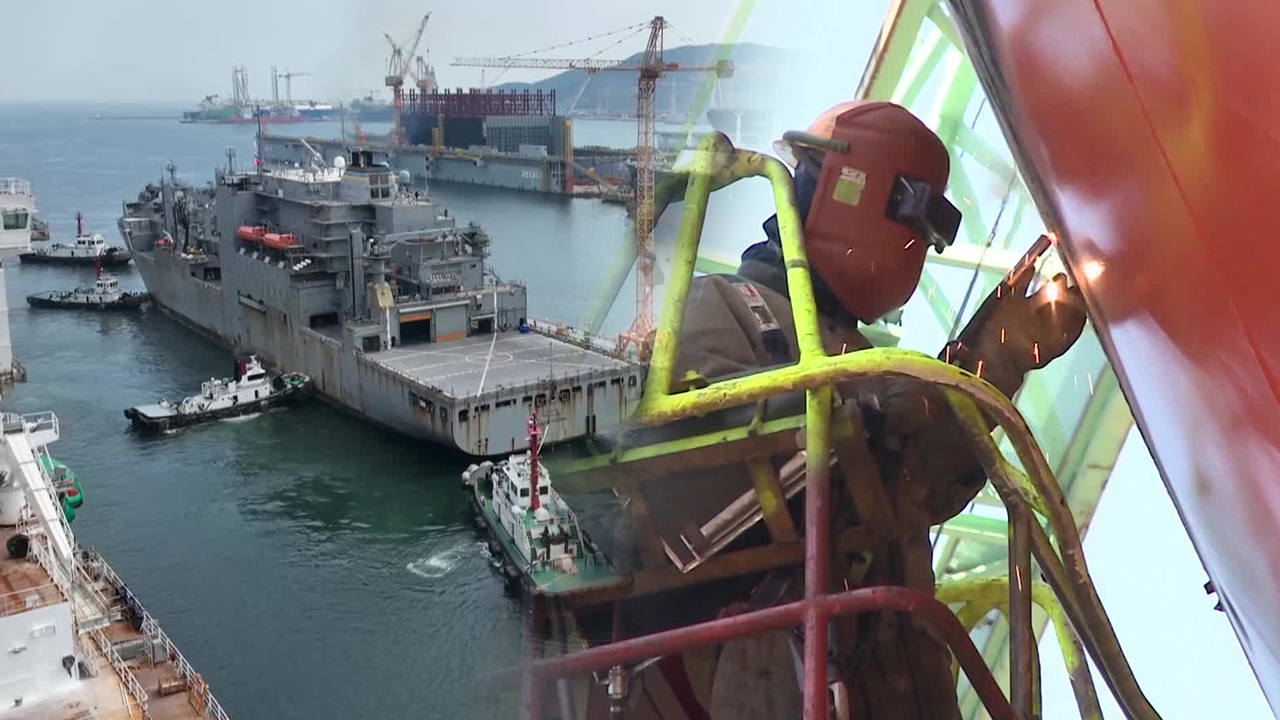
759,73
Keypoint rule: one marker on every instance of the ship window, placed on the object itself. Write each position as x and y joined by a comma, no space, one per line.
524,492
540,400
463,415
257,376
564,396
528,399
542,490
504,403
483,408
632,381
15,220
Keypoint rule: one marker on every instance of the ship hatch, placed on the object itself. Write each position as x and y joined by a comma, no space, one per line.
416,330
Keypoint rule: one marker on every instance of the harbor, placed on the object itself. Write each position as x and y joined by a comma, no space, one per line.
344,524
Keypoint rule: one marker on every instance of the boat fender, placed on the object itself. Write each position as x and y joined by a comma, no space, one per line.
18,546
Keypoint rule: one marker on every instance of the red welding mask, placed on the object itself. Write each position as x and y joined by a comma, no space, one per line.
878,204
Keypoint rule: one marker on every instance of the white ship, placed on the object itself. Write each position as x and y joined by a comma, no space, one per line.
17,215
86,249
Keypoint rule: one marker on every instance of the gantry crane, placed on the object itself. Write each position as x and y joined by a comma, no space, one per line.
650,68
288,84
397,67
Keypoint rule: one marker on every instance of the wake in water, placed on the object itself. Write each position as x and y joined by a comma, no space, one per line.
439,564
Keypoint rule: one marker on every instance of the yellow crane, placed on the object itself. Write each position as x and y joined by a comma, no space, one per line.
650,67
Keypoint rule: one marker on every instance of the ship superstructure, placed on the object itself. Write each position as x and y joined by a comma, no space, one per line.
343,273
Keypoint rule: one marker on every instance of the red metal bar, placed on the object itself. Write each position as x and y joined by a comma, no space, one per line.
817,548
896,599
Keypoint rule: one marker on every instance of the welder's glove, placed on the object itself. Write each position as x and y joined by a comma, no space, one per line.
1012,333
895,409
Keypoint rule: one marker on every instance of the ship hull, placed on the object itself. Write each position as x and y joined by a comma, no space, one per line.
116,259
1153,155
47,302
360,384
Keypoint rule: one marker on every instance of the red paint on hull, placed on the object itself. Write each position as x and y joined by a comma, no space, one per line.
1150,128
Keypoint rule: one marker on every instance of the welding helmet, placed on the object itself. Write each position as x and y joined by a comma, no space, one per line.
878,175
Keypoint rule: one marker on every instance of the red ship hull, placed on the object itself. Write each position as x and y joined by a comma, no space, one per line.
1148,129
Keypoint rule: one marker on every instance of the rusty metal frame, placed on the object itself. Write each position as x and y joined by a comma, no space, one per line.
715,165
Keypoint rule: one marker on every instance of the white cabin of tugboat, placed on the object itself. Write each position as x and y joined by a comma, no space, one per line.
252,383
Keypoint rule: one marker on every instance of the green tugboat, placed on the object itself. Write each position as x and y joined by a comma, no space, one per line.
534,538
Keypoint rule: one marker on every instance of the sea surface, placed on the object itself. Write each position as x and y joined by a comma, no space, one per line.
308,564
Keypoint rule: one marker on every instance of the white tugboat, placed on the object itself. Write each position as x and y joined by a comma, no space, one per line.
103,294
535,540
86,249
252,390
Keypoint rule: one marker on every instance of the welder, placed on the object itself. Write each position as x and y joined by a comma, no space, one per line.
869,182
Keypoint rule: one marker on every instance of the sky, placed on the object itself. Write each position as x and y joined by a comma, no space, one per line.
159,50
1185,655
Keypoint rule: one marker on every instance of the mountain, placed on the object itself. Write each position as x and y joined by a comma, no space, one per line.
759,73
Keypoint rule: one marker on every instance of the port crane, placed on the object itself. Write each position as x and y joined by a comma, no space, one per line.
650,67
398,66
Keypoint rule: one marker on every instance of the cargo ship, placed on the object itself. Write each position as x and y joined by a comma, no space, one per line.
341,272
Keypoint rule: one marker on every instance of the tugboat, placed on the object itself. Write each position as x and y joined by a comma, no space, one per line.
534,538
252,391
86,250
103,294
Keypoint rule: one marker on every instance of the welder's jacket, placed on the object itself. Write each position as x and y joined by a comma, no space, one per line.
743,323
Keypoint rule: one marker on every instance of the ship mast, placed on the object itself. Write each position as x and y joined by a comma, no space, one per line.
533,461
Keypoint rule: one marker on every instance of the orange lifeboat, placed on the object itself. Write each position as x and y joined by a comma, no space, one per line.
251,233
277,241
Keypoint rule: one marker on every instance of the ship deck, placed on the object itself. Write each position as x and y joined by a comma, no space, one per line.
105,694
459,367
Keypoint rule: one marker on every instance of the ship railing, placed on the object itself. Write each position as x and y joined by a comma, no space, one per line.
579,338
131,683
43,427
17,601
152,630
15,186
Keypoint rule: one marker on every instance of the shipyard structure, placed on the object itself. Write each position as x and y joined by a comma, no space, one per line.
341,272
502,139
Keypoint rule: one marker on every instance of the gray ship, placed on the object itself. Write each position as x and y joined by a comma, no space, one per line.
342,273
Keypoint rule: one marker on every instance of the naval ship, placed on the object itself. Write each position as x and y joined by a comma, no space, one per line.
342,272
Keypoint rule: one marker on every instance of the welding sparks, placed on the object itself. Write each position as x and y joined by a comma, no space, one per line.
1052,292
999,290
843,347
1053,237
979,372
1090,376
1035,352
1001,336
948,358
910,242
846,252
1092,269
